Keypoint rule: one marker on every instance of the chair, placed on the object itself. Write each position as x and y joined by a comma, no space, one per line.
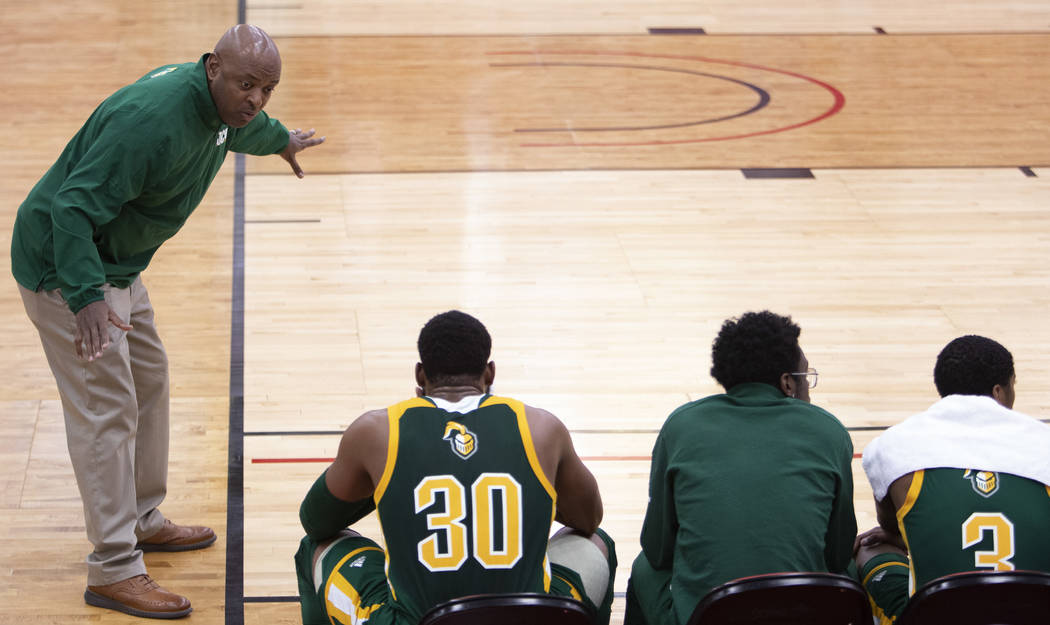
785,599
981,598
509,609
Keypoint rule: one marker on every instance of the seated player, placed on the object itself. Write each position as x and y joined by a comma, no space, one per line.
755,480
466,485
960,487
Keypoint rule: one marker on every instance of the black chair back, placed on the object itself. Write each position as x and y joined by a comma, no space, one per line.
509,609
785,599
981,598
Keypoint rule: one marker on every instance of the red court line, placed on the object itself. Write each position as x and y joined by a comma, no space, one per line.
837,105
585,458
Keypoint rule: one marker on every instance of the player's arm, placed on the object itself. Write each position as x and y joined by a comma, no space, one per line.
886,536
342,495
579,504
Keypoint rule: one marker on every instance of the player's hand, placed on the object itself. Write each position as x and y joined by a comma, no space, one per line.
876,537
298,141
92,335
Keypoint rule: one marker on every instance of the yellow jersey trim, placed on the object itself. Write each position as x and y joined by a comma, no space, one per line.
572,589
344,586
526,440
879,568
909,501
394,414
912,496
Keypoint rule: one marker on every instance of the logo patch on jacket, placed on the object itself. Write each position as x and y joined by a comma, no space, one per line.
464,443
984,483
222,135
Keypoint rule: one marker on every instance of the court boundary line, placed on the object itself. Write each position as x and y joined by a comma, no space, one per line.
867,32
234,591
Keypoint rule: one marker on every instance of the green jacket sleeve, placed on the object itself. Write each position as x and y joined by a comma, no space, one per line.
660,528
842,524
111,173
262,136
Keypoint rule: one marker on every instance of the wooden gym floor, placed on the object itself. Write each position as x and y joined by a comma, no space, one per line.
600,183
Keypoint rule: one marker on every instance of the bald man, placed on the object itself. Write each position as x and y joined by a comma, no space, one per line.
124,185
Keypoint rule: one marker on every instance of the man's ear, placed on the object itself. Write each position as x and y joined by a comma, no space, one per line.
212,66
490,374
787,384
421,377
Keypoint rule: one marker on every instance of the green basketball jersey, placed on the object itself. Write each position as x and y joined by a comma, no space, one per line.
956,520
464,505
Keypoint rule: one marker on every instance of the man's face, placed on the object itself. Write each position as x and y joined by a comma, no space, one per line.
241,85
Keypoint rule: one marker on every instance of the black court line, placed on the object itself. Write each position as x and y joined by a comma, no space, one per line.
282,221
234,608
562,170
855,428
753,35
235,466
880,30
763,97
1028,172
295,599
777,172
677,31
852,428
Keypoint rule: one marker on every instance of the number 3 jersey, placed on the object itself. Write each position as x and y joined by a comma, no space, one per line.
964,519
464,505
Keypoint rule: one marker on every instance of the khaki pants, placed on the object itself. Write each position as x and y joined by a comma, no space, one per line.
116,414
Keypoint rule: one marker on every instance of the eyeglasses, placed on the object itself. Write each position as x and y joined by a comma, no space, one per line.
810,375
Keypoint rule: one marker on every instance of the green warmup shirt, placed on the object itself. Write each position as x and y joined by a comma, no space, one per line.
463,504
957,520
126,183
745,483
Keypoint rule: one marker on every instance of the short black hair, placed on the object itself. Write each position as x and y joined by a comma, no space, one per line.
756,347
972,365
453,345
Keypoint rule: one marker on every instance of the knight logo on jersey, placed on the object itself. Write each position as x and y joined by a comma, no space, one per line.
464,443
984,482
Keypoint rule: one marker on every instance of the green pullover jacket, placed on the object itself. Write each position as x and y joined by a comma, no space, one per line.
126,183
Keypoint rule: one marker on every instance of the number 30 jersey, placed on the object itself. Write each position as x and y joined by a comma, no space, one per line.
956,520
463,503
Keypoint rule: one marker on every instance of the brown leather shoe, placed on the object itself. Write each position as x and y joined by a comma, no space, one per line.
174,537
138,596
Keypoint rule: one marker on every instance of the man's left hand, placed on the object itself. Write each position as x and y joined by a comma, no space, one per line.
298,141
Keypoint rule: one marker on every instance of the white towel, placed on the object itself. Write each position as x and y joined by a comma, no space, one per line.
963,432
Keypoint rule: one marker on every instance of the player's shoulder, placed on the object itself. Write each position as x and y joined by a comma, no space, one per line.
369,421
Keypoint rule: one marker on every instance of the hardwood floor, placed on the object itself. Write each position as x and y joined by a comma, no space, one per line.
602,261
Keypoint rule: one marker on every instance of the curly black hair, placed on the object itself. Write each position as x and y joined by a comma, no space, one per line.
453,345
756,347
972,365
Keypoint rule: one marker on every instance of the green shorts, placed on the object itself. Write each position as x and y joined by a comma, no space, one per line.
353,584
885,577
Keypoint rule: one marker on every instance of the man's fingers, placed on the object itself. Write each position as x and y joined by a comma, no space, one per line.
95,343
117,321
78,343
298,171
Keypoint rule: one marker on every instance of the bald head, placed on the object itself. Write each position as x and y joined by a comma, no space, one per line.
247,41
242,72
